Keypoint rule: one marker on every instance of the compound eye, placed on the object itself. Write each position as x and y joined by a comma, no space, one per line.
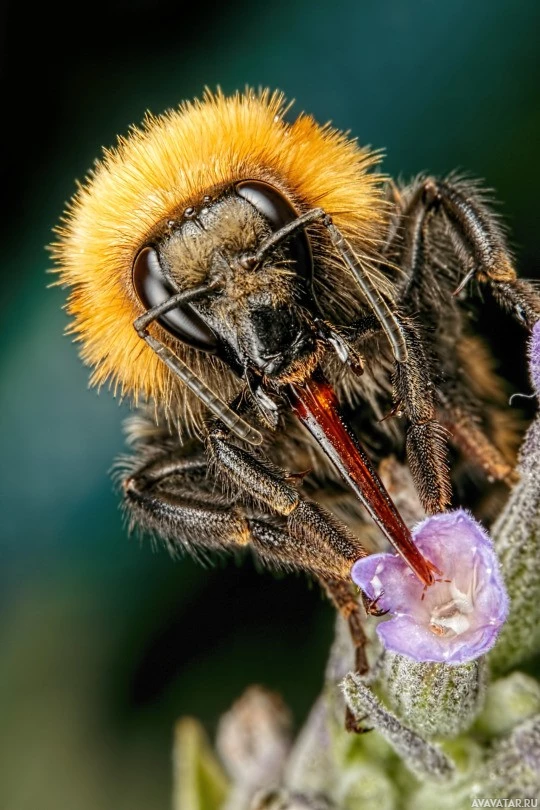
152,288
277,209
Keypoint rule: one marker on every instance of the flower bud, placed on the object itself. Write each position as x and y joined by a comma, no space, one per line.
311,768
435,700
253,740
199,782
423,759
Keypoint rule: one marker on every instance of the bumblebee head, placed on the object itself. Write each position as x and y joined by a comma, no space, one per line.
259,310
193,199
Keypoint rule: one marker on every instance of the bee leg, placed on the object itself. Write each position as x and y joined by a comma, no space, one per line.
478,241
275,547
467,435
414,390
438,416
341,594
428,290
426,440
165,497
414,397
170,496
476,229
278,548
322,544
175,498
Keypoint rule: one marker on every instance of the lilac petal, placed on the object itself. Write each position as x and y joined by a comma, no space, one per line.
456,543
534,356
404,636
388,579
448,537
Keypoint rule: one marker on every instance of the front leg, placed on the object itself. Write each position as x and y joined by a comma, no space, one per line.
327,547
176,497
415,398
426,441
318,542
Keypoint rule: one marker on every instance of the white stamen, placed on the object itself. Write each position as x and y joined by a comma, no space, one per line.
462,601
450,625
450,618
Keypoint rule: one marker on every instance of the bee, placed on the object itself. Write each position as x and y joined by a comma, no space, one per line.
267,298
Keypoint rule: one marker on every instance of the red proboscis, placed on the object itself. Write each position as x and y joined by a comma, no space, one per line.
316,406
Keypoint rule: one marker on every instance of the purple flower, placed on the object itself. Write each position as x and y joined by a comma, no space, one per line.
457,618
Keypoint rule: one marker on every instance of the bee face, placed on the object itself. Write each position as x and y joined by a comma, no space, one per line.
260,309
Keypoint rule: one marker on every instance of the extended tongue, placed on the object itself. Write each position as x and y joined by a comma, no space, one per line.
317,407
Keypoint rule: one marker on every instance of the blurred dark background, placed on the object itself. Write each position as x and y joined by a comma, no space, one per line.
103,642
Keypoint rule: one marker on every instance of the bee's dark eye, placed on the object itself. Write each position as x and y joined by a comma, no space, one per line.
152,288
277,209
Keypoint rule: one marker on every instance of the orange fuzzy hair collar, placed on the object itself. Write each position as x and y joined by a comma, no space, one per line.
149,176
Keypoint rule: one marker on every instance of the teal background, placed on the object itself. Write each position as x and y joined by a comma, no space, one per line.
103,642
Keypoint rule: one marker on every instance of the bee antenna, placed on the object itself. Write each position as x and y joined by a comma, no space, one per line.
285,231
390,324
215,405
